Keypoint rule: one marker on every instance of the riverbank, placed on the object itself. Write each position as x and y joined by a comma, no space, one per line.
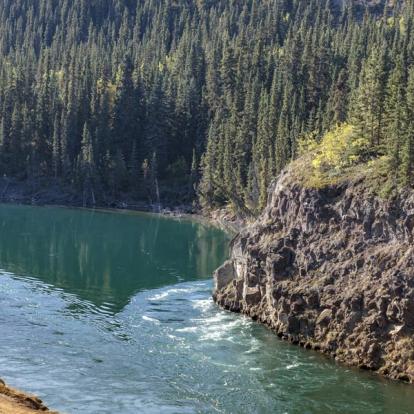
330,269
44,192
13,401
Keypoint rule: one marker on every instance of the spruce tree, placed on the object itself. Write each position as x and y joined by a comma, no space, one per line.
407,151
367,112
395,116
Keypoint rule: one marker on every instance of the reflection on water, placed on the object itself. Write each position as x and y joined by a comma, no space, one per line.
107,313
106,258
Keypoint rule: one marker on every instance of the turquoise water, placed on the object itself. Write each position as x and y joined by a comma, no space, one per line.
112,313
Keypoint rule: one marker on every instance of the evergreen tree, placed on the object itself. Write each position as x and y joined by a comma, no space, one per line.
396,116
407,155
369,99
231,85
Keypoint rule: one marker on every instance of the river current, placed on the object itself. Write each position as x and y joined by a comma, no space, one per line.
105,312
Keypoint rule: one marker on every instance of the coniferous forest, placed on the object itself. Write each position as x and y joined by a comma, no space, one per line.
209,99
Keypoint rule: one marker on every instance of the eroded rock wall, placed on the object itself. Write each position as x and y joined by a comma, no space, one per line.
331,270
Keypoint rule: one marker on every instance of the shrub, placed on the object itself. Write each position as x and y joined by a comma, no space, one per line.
337,150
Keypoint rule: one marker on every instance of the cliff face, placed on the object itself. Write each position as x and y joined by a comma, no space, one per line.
331,270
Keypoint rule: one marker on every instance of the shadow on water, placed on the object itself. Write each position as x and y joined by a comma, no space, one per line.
102,257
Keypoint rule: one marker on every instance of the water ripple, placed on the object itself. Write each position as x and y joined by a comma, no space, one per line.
170,350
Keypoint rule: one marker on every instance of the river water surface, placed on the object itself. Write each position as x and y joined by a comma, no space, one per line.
112,313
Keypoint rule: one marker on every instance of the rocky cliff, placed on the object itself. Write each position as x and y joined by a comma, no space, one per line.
330,269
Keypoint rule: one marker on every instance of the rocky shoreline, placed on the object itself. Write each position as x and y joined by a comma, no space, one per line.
13,401
330,269
45,191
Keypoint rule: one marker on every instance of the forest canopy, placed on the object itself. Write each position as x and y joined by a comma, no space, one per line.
211,98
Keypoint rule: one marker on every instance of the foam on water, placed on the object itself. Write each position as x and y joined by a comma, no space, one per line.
149,319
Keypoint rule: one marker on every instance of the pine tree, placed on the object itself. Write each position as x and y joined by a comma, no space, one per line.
283,148
87,160
170,77
407,151
263,150
367,111
395,116
56,154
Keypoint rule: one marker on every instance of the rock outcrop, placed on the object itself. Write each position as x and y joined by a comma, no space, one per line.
330,269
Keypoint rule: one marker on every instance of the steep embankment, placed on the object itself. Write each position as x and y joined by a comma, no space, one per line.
330,269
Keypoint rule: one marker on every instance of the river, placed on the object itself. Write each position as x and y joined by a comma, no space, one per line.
104,312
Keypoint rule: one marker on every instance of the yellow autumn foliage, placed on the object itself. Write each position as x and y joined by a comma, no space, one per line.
337,150
332,150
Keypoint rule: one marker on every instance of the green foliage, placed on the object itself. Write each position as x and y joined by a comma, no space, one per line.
178,168
308,144
331,157
369,99
220,91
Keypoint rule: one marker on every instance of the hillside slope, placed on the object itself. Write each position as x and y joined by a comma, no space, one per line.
330,269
